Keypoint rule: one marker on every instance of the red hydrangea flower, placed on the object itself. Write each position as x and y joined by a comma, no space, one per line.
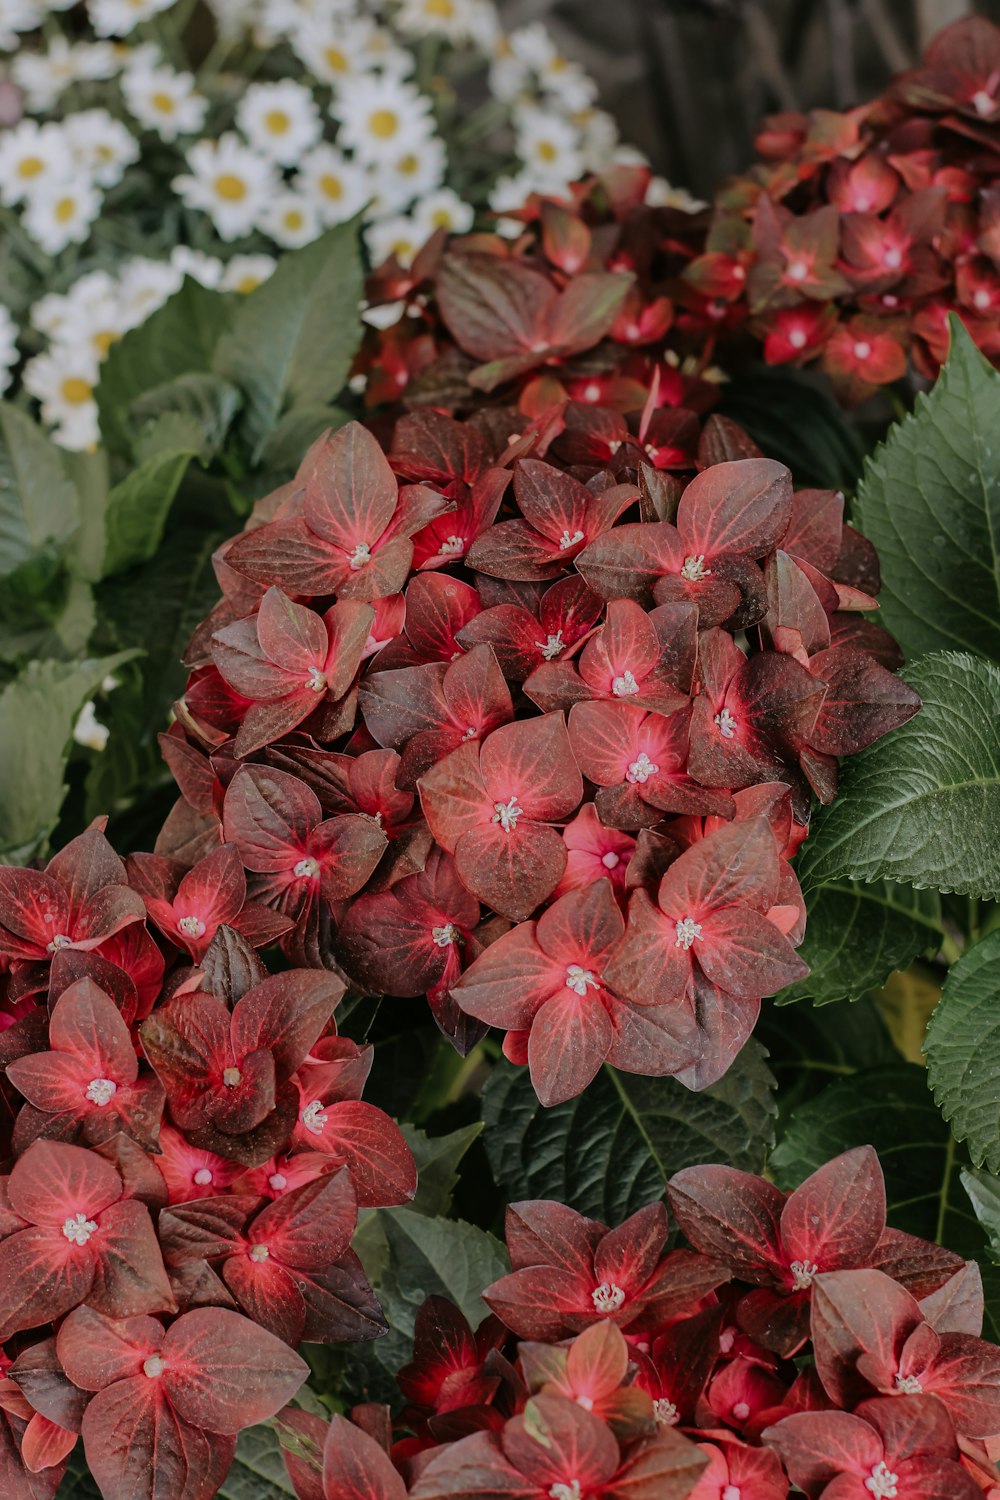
71,1235
736,1469
570,1271
491,806
525,638
341,1462
190,1172
167,1404
594,852
594,1371
332,1121
559,517
189,906
645,659
451,1366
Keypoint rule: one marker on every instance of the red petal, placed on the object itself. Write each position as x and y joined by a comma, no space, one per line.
138,1446
356,1468
350,490
225,1373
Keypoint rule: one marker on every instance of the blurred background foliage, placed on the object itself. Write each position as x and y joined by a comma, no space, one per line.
688,80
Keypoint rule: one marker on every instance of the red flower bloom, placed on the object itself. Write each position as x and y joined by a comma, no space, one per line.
524,639
559,517
189,906
450,1368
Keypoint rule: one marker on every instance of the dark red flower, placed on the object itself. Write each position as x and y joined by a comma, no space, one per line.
189,906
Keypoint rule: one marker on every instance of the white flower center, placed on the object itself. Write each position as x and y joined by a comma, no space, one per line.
624,685
552,646
277,1181
798,338
452,546
192,927
101,1091
893,258
202,1178
641,769
507,814
908,1385
803,1272
314,1117
259,1253
665,1412
154,1366
726,724
611,860
797,271
78,1229
983,102
445,936
306,869
317,680
731,1492
579,979
361,555
232,1077
982,299
882,1482
862,349
741,1411
607,1298
694,569
687,930
571,1491
570,541
60,941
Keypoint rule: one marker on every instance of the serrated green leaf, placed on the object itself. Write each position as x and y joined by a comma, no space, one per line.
39,506
191,412
37,712
963,1051
796,421
930,501
922,805
983,1190
857,935
137,510
293,338
610,1151
179,338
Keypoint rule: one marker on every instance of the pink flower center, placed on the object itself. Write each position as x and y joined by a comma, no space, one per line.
317,680
625,685
731,1492
579,980
445,936
507,814
453,546
741,1411
641,769
862,349
798,338
202,1178
314,1117
983,103
154,1366
908,1385
611,860
78,1229
688,931
259,1253
882,1483
982,299
570,1491
607,1298
797,271
101,1091
566,540
306,869
192,927
893,258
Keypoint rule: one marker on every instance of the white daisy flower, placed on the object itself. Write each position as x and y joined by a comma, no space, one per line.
230,181
280,119
290,220
418,169
599,138
206,269
30,156
44,75
88,729
61,214
245,273
17,16
119,17
548,144
509,193
144,286
400,237
63,380
660,194
8,347
338,187
458,21
443,210
381,117
102,145
164,100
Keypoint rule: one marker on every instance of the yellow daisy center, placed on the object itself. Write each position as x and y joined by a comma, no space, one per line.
383,123
163,102
277,122
331,186
30,166
65,209
76,390
230,187
335,59
546,150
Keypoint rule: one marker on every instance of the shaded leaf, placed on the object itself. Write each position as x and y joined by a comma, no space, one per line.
963,1051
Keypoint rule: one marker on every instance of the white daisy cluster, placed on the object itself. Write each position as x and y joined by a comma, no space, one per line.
410,112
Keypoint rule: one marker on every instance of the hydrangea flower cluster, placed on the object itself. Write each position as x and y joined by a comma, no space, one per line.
584,670
856,235
797,1342
342,114
189,1151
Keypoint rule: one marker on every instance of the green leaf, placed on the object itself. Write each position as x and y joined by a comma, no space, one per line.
258,1472
37,712
293,338
192,412
296,431
963,1051
77,1483
137,510
984,1195
795,420
610,1151
923,804
857,935
39,506
179,338
930,501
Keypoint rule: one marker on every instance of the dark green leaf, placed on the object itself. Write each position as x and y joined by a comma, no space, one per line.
963,1051
930,501
922,805
795,420
611,1150
293,338
191,412
296,431
137,510
259,1471
858,934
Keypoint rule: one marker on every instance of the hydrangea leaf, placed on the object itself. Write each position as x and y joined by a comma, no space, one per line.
137,510
796,421
193,411
930,501
963,1051
859,934
609,1151
922,805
